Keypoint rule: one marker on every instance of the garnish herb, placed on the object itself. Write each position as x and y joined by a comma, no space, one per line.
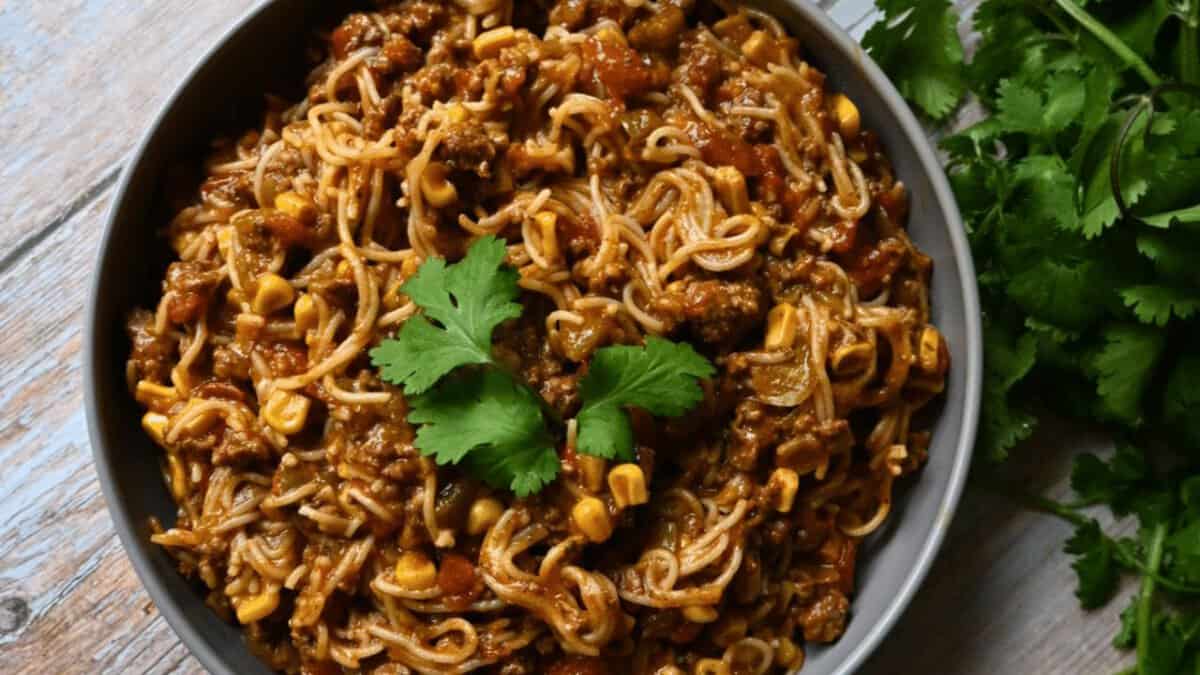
1079,187
474,413
495,424
660,378
468,300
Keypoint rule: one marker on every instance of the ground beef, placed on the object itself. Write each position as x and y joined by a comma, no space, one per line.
188,288
871,264
401,53
736,91
659,32
231,362
467,147
356,32
418,21
435,83
240,447
561,392
569,14
717,312
235,187
700,68
825,619
151,355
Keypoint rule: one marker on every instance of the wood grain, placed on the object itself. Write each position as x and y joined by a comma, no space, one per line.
998,601
79,80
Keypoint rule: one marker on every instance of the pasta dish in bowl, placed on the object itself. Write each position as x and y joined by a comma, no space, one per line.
567,338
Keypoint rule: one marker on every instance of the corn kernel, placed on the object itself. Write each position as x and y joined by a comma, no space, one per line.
591,517
931,348
179,481
394,298
731,186
483,515
782,487
224,236
591,472
415,571
759,48
547,222
155,425
711,667
274,293
627,483
247,327
258,607
149,393
286,411
846,114
408,268
305,313
781,327
297,206
700,613
436,188
489,44
787,654
456,113
344,271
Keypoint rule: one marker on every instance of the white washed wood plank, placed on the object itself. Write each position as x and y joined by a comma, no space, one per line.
79,79
59,555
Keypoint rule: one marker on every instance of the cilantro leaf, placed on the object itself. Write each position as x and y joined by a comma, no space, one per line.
1019,107
1157,304
1126,637
467,300
1065,292
1094,566
491,422
917,44
1007,361
1119,482
1171,254
1181,400
1183,546
1124,367
661,378
1047,190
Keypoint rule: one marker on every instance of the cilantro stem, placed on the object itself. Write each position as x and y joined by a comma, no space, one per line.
1036,502
1146,595
1189,45
1110,40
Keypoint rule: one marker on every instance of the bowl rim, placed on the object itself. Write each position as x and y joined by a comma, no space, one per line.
846,47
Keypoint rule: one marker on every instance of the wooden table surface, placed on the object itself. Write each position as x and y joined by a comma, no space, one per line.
79,81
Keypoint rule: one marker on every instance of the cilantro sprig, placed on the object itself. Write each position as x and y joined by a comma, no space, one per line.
660,378
468,300
493,423
1079,187
471,412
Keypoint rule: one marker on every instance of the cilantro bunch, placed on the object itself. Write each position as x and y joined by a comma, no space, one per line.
1079,187
474,413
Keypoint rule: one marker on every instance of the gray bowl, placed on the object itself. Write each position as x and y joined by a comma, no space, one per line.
224,93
